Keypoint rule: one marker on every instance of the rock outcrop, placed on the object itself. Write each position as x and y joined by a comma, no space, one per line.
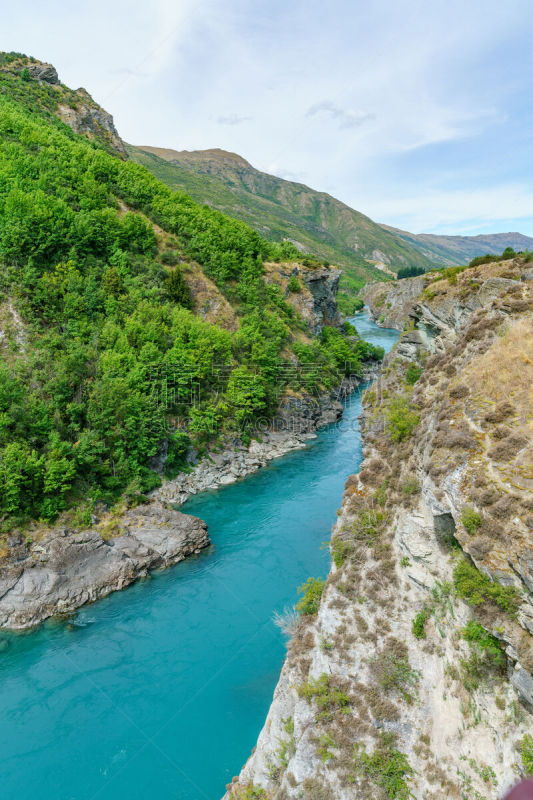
90,119
415,676
75,107
65,570
314,295
46,73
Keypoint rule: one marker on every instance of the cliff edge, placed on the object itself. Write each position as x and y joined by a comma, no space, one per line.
411,675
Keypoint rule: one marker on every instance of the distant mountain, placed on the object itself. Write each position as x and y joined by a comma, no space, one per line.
452,250
278,209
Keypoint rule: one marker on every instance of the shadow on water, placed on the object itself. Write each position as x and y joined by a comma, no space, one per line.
160,690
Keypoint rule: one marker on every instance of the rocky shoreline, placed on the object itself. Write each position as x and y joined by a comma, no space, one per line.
297,422
67,569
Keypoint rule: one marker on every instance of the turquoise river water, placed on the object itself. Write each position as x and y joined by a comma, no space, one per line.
160,691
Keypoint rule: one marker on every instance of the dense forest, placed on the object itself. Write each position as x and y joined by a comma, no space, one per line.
99,312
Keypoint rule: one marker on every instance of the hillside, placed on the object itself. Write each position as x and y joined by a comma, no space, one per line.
409,671
453,250
135,323
280,209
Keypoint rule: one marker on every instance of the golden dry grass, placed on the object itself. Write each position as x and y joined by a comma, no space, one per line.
505,371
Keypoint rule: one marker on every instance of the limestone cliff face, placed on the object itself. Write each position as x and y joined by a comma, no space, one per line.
415,676
311,291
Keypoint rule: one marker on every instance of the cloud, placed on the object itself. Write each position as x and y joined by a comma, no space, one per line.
345,117
232,119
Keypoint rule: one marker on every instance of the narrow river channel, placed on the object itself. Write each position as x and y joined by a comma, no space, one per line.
160,691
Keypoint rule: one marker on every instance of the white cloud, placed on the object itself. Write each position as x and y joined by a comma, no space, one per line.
345,117
400,79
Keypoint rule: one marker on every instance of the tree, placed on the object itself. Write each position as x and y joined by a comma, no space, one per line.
177,289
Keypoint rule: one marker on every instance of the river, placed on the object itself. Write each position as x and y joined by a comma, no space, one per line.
160,691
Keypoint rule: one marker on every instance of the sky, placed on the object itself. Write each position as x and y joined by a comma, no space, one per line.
418,114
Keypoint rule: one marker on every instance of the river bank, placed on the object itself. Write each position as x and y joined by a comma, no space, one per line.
170,680
65,568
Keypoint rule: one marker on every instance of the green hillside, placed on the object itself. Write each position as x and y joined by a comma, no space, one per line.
282,210
95,312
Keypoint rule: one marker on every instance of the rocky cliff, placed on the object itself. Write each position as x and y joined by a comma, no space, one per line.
311,291
413,677
74,107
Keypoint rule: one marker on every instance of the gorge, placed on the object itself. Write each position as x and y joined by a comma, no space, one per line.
183,665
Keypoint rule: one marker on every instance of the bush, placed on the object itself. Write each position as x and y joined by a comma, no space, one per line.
387,767
487,658
419,623
526,753
477,589
412,374
471,519
177,289
329,698
402,419
294,284
311,592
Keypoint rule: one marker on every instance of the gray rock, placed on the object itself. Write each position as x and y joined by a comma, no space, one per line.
523,683
67,570
43,72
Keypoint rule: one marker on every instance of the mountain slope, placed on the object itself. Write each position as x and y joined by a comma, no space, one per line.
280,209
132,319
454,250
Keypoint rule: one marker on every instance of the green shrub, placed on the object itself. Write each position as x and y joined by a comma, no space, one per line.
526,753
401,419
294,284
387,767
419,623
476,588
487,658
177,289
471,519
340,550
329,698
412,374
311,592
250,792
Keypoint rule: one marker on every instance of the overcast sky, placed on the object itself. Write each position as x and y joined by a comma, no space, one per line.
418,114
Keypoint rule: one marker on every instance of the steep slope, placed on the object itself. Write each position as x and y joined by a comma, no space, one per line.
453,250
409,674
37,86
280,209
138,330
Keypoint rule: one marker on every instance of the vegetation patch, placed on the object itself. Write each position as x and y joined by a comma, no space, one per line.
329,698
311,592
526,753
393,670
387,767
471,519
401,418
477,589
487,659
